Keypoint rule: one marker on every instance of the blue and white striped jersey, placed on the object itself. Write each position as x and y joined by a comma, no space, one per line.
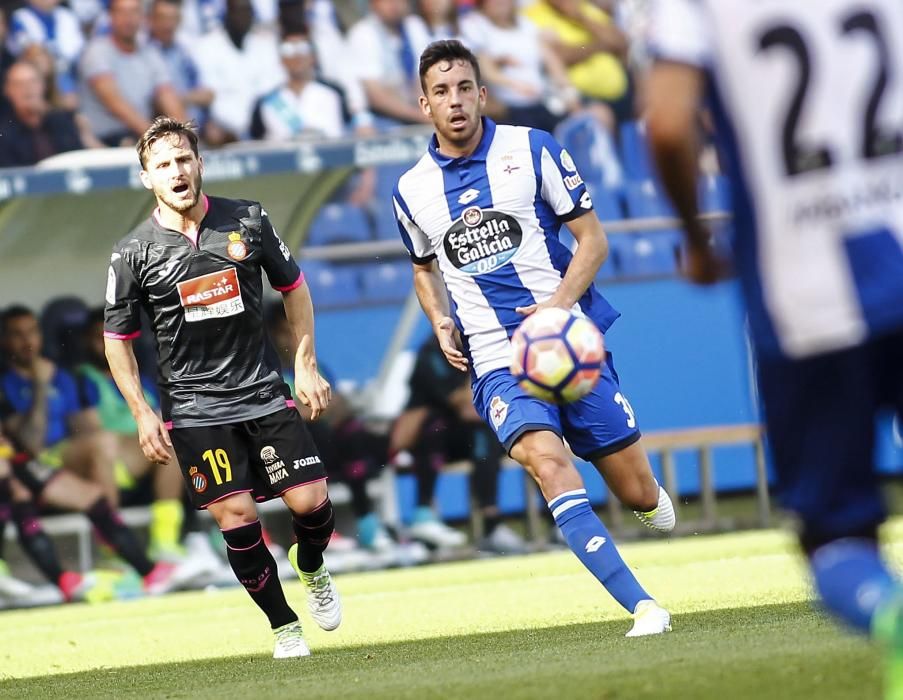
491,220
808,98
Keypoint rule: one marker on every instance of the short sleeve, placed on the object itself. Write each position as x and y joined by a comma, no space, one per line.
678,32
365,47
562,187
96,60
122,310
416,241
281,269
159,69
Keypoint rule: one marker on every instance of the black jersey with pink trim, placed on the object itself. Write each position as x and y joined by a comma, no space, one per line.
205,302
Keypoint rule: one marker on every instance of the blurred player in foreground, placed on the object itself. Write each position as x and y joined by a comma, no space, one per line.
194,266
480,214
807,100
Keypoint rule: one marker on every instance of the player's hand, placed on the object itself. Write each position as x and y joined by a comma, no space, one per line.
310,387
447,335
154,438
533,308
704,266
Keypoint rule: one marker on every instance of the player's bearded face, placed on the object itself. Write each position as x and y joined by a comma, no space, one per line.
454,101
175,174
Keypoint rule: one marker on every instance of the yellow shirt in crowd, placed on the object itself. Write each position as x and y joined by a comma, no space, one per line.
601,75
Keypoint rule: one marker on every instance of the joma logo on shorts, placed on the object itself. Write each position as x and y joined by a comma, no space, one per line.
305,462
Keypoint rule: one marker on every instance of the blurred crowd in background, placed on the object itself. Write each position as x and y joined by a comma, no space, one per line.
93,73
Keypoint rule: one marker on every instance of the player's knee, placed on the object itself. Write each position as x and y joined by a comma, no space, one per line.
231,515
554,472
306,498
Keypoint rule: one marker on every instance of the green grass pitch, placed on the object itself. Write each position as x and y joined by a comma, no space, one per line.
524,627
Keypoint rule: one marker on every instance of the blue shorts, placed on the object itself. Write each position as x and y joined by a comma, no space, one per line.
599,424
820,414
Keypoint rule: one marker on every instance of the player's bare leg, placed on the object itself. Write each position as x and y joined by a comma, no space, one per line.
255,569
629,476
545,458
313,521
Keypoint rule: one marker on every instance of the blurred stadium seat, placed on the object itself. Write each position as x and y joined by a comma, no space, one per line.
339,223
635,151
387,281
62,321
332,284
714,193
644,199
385,226
651,254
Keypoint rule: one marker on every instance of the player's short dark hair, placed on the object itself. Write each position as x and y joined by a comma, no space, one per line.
10,313
161,128
450,50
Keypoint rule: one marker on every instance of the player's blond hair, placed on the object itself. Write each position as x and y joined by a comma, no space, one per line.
161,128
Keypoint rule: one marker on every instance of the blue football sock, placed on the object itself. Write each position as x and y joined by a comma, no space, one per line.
591,542
852,580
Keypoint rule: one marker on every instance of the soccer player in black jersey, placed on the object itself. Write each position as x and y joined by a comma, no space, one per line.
194,266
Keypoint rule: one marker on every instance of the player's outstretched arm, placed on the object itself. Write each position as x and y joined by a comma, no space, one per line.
433,299
592,251
673,93
310,386
152,434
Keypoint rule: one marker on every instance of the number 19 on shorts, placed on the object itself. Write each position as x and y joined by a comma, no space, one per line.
218,460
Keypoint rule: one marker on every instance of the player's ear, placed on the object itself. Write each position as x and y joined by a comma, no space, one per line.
425,107
201,164
483,94
145,179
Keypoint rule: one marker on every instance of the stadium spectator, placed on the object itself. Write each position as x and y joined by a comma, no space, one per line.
302,105
123,81
584,37
519,64
163,22
240,62
431,20
318,19
30,130
52,25
386,63
50,419
131,466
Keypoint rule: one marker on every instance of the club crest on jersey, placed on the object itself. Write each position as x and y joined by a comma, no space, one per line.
482,240
498,411
472,216
214,295
198,480
236,249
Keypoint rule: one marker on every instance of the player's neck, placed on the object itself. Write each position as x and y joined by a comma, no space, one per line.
187,222
460,149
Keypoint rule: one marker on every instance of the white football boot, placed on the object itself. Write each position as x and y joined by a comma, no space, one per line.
649,618
661,518
289,642
323,599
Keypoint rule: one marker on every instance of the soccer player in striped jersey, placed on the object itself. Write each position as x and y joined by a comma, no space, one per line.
480,215
807,99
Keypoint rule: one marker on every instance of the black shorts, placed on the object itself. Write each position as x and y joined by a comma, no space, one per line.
265,457
32,474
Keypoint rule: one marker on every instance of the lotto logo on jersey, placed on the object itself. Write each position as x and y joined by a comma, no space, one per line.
214,295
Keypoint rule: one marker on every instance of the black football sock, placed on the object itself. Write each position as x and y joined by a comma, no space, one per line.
486,455
35,542
119,536
255,569
313,531
360,499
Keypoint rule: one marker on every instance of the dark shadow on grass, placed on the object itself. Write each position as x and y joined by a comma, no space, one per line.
520,663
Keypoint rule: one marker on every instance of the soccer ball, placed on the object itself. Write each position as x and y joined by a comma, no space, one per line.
557,356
